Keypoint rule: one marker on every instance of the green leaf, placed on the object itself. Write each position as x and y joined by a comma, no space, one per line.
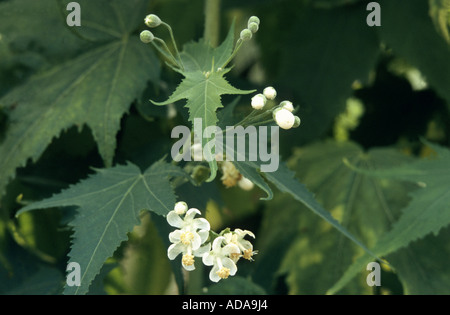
109,205
317,56
440,12
285,181
46,281
36,27
201,56
408,30
96,88
283,178
428,212
22,273
235,286
145,267
204,84
251,171
317,254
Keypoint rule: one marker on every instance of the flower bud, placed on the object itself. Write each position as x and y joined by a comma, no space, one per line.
245,184
146,36
253,19
287,105
253,27
197,152
152,20
246,34
180,207
297,122
284,118
258,101
270,93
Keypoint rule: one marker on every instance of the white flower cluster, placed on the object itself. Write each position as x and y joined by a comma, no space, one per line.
193,238
282,114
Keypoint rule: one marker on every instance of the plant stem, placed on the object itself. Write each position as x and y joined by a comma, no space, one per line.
165,51
212,22
177,53
236,49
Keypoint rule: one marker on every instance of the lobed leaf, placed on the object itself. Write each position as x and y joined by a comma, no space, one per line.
96,88
204,84
428,212
109,204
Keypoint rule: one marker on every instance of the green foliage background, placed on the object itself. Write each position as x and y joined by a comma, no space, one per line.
78,134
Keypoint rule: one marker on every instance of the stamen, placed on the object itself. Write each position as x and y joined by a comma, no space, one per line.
187,260
186,238
223,272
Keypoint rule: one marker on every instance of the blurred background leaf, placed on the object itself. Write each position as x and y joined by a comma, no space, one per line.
315,254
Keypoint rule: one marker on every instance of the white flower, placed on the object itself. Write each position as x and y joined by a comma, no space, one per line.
245,183
192,233
270,93
219,258
258,101
287,105
245,247
284,118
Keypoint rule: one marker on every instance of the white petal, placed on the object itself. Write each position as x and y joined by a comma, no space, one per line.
196,242
201,224
174,236
249,233
174,250
174,219
228,263
203,235
213,276
228,237
202,250
217,244
230,249
190,214
246,244
188,268
208,259
242,233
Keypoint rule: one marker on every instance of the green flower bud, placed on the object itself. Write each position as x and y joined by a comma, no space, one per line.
152,20
296,122
246,34
200,173
253,27
254,19
146,36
